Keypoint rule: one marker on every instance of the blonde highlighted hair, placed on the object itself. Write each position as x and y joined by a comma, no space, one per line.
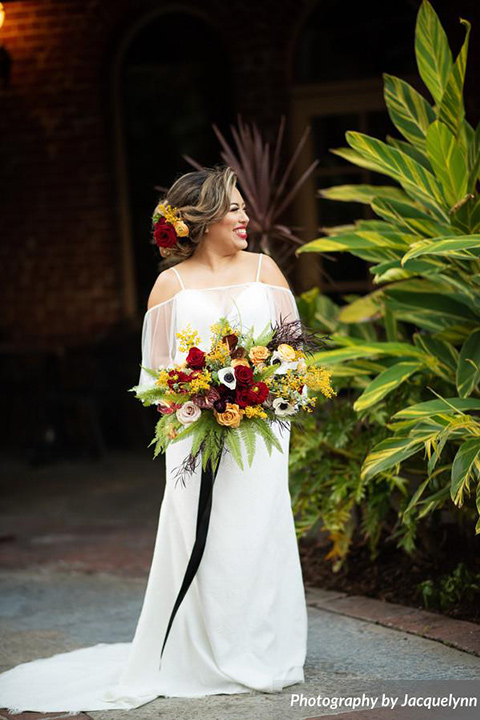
201,197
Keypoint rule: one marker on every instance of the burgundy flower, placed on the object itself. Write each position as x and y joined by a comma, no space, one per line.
195,358
243,375
242,397
258,392
220,405
164,233
206,402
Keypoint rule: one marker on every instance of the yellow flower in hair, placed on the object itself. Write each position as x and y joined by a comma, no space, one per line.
171,215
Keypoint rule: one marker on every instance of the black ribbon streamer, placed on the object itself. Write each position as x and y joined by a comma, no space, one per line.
203,520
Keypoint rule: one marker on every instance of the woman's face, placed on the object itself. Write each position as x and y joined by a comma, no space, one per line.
231,231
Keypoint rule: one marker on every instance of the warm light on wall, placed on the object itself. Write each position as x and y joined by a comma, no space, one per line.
5,59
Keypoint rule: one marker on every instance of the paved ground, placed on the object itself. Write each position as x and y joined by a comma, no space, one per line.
59,592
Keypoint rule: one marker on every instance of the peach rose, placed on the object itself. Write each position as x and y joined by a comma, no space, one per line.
258,354
231,417
239,361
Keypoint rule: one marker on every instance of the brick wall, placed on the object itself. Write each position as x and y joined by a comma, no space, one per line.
59,244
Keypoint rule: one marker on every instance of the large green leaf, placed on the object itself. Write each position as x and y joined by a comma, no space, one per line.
441,351
359,240
409,218
434,302
409,110
468,369
418,182
384,383
364,193
474,160
355,350
434,58
412,151
452,110
388,453
432,407
357,159
466,461
458,246
448,161
361,310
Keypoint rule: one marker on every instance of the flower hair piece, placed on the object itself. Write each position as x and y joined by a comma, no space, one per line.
168,226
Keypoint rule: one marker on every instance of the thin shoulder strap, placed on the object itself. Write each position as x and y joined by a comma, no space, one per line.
179,278
259,266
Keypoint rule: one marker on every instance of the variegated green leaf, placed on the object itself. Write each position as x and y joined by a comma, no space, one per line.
468,369
415,179
409,111
474,160
432,407
361,310
466,461
442,351
464,246
364,193
452,110
412,151
447,161
436,303
434,58
354,351
385,383
357,159
359,240
388,453
412,219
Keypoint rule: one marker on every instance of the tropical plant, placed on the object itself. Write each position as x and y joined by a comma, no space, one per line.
422,324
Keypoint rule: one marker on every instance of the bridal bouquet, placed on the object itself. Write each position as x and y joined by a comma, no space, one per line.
235,391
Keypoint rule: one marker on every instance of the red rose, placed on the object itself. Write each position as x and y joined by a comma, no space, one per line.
179,376
258,393
242,397
243,374
195,358
164,233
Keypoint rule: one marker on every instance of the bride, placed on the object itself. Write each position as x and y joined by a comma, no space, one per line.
242,624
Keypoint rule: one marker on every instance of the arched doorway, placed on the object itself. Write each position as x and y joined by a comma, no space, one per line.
172,81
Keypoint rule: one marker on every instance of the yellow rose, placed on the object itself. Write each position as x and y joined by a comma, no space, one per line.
231,417
240,361
181,228
258,354
286,352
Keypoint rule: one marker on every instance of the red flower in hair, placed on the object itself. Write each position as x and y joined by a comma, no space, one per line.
164,233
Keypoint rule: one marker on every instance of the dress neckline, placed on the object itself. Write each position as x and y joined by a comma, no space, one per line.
216,287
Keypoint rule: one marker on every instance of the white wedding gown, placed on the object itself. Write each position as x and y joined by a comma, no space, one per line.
242,625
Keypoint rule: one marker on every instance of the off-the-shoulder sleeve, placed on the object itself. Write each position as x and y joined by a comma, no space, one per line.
157,339
283,304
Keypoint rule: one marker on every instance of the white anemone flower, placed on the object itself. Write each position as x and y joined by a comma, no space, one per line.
227,377
283,407
283,366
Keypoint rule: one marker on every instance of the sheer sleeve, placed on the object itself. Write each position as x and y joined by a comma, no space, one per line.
158,338
283,304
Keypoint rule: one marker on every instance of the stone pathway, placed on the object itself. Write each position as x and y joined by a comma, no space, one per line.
59,592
